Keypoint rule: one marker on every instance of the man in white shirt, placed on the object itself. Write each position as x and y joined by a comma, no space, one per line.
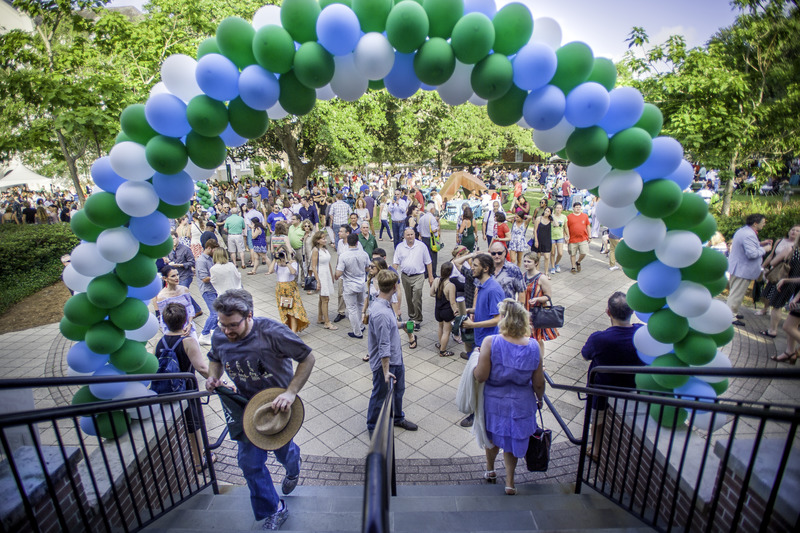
489,223
398,208
341,248
412,260
429,225
351,268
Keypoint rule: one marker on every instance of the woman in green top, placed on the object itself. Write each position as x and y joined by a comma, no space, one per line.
467,229
559,238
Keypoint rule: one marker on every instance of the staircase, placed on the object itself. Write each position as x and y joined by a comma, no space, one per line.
416,508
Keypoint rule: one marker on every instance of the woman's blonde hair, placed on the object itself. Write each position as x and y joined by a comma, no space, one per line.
515,322
220,256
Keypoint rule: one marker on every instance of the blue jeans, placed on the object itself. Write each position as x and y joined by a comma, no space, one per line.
379,389
385,224
252,461
335,228
397,232
211,321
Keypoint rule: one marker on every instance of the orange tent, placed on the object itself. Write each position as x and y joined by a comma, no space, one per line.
460,179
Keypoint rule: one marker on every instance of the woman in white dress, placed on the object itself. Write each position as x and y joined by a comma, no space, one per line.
322,270
224,274
174,293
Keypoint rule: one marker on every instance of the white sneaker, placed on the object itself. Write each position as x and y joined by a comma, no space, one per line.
552,270
205,340
558,268
615,267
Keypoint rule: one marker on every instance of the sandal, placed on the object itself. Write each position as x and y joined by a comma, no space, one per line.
511,491
785,358
413,344
330,326
365,358
446,353
490,476
766,333
438,345
578,266
573,270
251,273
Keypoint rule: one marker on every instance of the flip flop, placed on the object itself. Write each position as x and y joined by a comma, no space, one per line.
446,353
766,333
413,344
251,273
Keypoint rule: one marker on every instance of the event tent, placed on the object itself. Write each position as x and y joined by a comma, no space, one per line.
460,179
22,175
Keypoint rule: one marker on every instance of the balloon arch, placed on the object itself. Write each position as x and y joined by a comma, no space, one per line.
467,51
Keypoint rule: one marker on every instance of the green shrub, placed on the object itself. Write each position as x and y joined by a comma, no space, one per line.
780,218
30,259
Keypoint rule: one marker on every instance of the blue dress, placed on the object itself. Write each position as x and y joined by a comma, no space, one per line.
508,398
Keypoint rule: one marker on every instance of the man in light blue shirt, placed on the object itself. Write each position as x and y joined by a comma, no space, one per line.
744,261
352,269
398,208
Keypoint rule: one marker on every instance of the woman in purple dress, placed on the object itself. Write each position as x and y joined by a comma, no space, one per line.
510,365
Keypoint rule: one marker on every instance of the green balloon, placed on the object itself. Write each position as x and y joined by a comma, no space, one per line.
587,146
659,198
372,14
159,250
513,27
724,337
692,211
639,301
651,120
696,349
138,272
150,366
313,65
134,124
246,121
716,286
131,314
205,152
170,211
631,273
295,97
706,229
376,85
273,48
473,38
668,327
207,116
720,386
672,417
407,27
71,330
325,3
80,310
630,258
104,337
507,109
604,72
208,46
299,17
443,16
235,41
83,228
102,210
645,382
629,148
575,63
131,356
84,395
166,155
669,381
492,77
112,425
121,138
563,155
434,62
107,291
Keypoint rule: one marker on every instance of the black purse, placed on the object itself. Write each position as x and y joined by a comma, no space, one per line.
547,316
537,457
310,283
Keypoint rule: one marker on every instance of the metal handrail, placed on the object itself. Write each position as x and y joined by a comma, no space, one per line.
380,480
572,438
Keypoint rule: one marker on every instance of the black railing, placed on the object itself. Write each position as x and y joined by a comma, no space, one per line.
92,483
380,481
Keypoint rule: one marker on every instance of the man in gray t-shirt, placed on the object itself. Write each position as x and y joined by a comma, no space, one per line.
352,269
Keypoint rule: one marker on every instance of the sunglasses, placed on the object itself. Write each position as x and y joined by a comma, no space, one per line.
497,253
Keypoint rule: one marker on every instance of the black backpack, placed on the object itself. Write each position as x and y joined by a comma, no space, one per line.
168,364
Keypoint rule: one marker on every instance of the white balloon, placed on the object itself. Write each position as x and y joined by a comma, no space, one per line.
348,82
324,93
721,360
267,15
137,198
129,161
477,100
276,112
87,261
117,245
642,233
197,173
146,332
716,319
588,177
554,139
178,75
75,281
690,299
679,249
159,88
621,187
648,345
457,90
522,124
614,217
136,389
702,421
546,31
374,56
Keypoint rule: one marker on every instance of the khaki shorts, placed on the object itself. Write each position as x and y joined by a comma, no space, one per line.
579,248
235,244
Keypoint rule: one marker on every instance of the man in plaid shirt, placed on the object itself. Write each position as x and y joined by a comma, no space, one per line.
339,212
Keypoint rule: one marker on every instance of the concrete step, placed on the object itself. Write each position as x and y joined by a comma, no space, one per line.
417,508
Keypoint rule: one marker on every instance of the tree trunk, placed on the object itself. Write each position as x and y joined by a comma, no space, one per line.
300,171
73,169
727,197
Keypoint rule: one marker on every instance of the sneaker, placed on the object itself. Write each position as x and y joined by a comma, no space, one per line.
467,422
552,270
353,335
289,483
339,318
417,327
205,340
274,521
558,268
405,424
615,267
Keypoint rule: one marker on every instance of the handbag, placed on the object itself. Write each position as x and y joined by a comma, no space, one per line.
538,455
286,302
547,316
778,272
436,242
310,283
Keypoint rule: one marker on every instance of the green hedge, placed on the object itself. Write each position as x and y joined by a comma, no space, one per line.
30,259
780,218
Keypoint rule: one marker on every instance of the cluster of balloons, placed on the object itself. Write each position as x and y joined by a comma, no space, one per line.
204,196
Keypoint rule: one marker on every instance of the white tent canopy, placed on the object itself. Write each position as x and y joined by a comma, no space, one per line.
22,175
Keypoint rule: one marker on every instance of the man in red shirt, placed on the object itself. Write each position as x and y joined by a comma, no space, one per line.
566,193
579,231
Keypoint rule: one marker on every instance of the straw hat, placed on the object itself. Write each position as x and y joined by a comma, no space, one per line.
267,429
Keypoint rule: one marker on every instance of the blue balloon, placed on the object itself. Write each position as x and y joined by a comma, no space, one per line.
81,359
107,391
696,390
87,425
231,138
146,293
658,280
150,230
486,7
426,87
166,114
104,176
401,82
666,155
646,359
543,109
218,77
644,317
534,66
586,104
258,87
625,108
174,189
338,29
683,175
